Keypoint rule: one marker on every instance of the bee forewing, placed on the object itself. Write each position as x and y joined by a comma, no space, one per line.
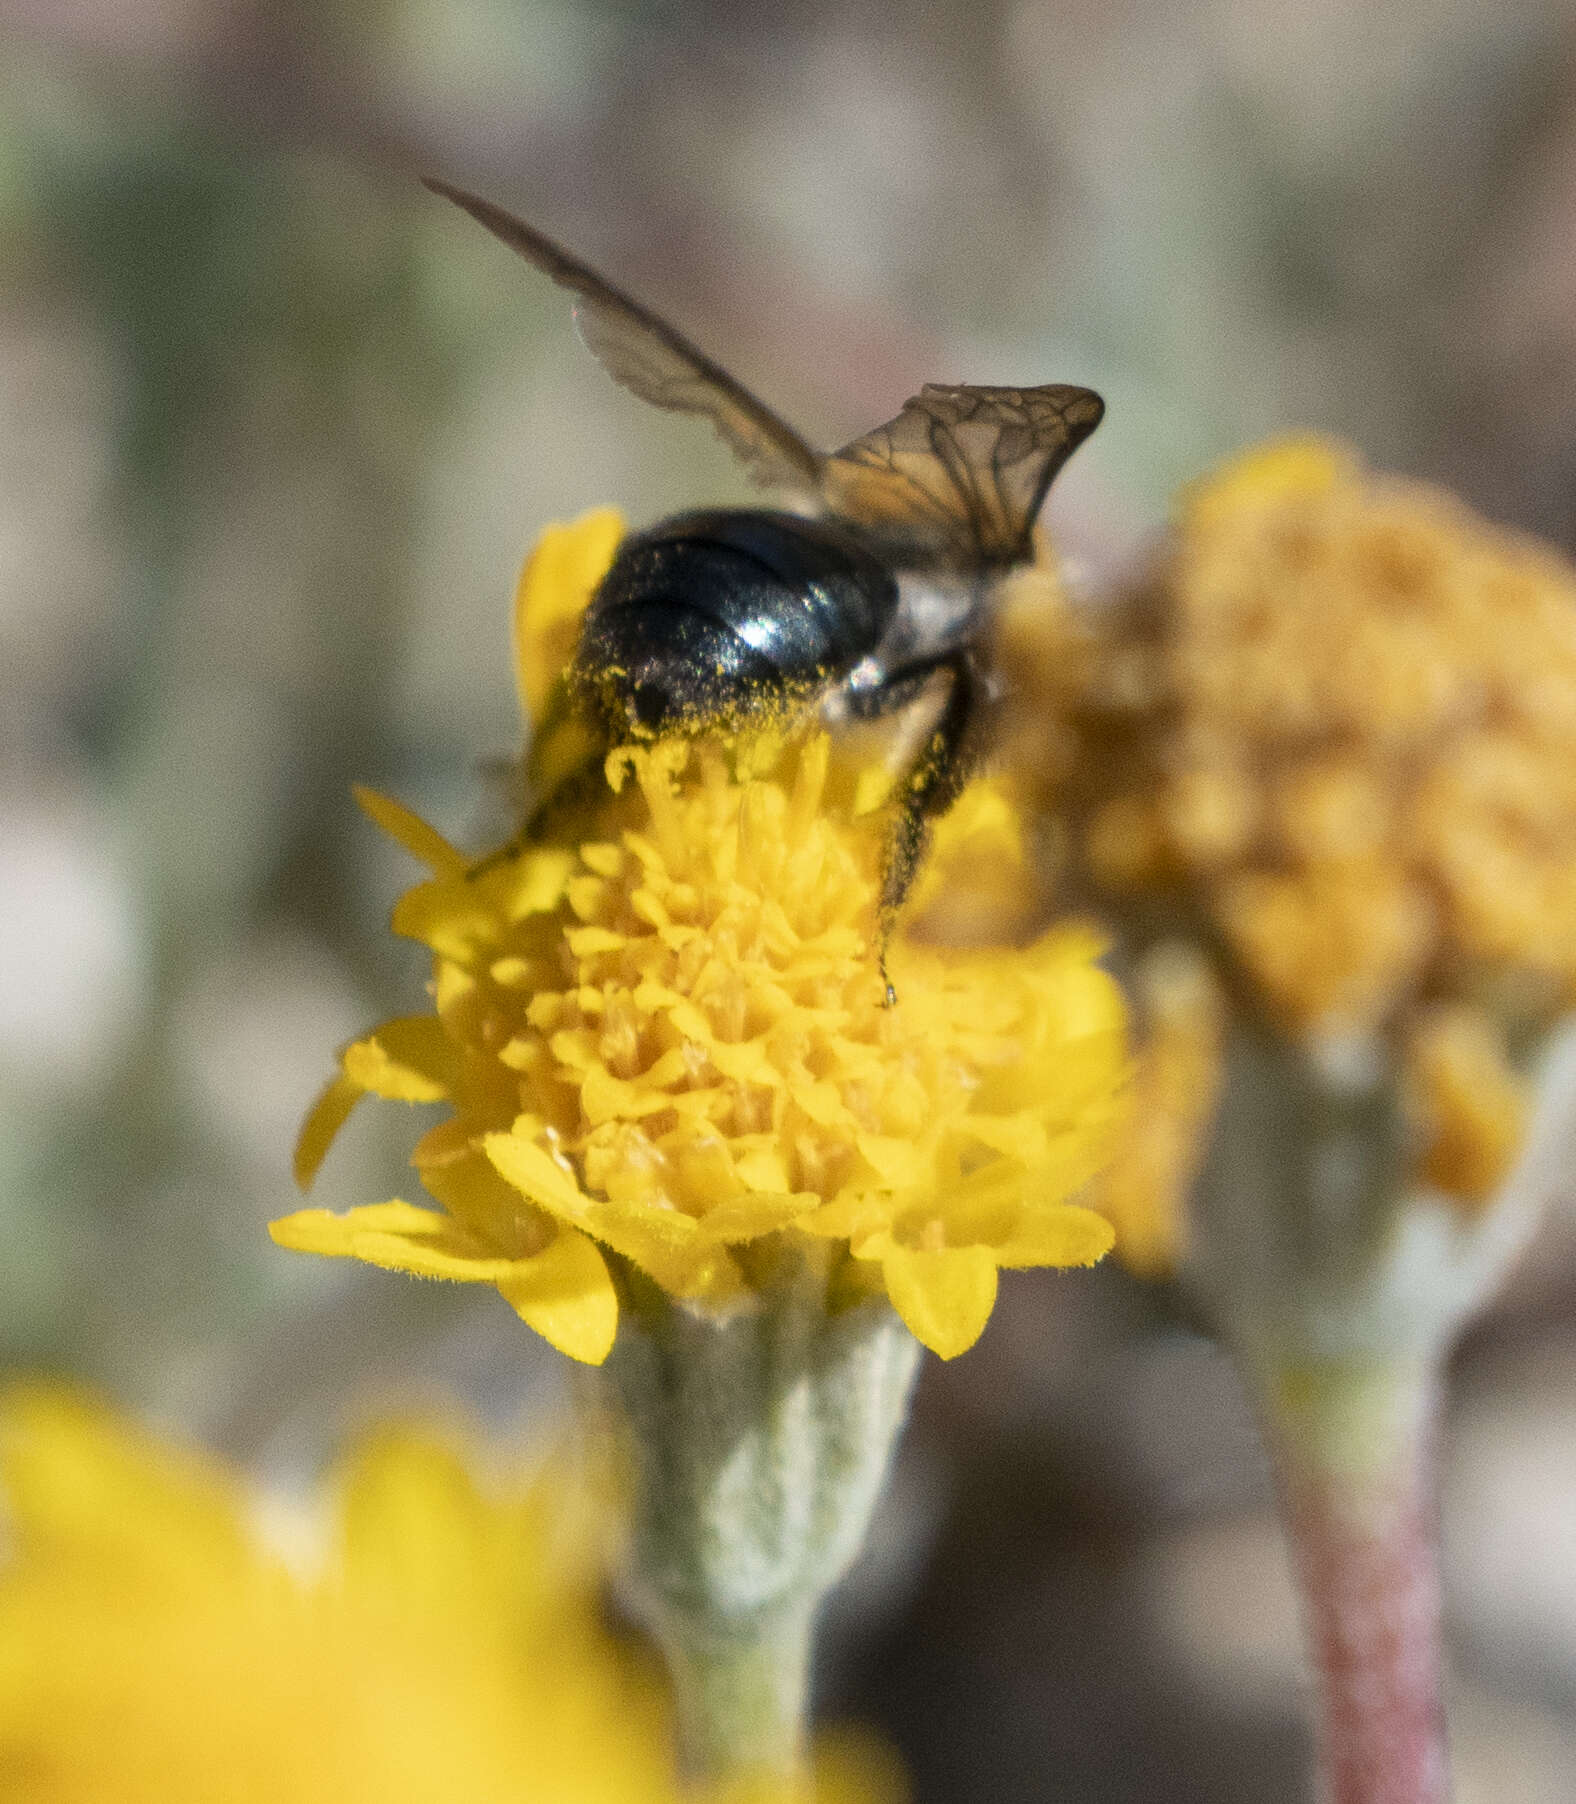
655,360
960,474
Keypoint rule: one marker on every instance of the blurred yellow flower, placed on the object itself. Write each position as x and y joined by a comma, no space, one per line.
442,1647
1470,1107
1332,739
664,1036
1145,1188
1355,739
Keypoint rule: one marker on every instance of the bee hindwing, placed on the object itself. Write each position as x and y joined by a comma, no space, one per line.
959,475
642,351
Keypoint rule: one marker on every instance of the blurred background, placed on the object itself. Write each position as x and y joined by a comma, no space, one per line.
276,428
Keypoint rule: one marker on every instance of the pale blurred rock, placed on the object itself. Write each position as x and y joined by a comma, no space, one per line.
1225,1608
1510,1523
1505,1750
71,943
254,1034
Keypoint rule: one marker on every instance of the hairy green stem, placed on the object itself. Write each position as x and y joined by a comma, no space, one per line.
742,1697
757,1445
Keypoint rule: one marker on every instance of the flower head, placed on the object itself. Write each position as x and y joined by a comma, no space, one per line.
1326,783
1331,744
663,1035
443,1643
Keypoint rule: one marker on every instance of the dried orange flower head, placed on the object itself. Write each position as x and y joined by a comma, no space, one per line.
429,1634
1332,742
662,1037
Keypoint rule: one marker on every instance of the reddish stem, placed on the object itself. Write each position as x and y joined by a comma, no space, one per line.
1354,1460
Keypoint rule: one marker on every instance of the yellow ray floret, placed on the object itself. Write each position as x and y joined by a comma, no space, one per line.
663,1035
421,1637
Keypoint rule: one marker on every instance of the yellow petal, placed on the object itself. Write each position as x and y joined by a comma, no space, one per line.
587,942
608,1098
408,1060
424,843
555,587
872,787
567,1296
79,1481
1061,1235
563,1292
1019,1136
661,1241
328,1115
536,1175
458,920
899,1164
444,1144
743,1061
945,1297
747,1217
415,1529
486,1206
1265,474
668,1246
764,1169
533,883
397,1236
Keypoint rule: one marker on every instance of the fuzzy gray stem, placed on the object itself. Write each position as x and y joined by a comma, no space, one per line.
758,1446
742,1697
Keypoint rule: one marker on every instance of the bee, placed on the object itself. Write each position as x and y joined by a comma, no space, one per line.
876,591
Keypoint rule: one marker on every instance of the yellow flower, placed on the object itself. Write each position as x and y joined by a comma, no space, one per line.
1470,1108
663,1035
1361,726
1333,738
442,1645
1145,1188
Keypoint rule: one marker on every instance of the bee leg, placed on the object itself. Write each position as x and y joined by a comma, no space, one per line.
576,792
937,777
936,780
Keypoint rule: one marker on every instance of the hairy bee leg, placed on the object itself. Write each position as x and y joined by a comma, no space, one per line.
937,777
569,794
935,782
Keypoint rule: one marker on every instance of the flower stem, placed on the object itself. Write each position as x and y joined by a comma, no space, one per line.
1352,1445
757,1441
741,1697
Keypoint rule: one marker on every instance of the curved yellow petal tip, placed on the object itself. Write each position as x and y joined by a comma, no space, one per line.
395,1235
1063,1236
410,1059
566,1294
425,844
944,1297
554,590
321,1127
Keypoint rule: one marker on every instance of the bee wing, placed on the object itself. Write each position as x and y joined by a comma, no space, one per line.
652,358
959,475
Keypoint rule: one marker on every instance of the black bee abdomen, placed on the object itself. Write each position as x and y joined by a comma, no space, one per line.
721,612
